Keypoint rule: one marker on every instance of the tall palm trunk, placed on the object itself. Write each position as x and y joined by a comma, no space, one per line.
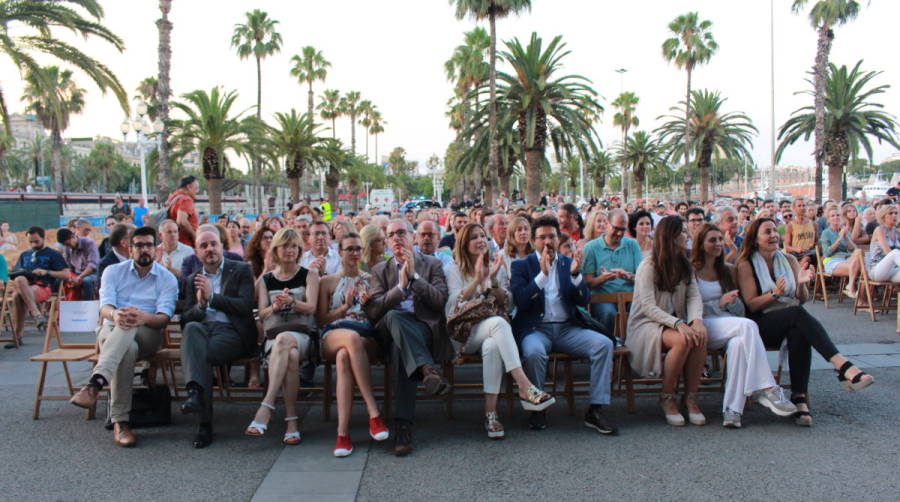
837,152
377,161
309,102
4,116
214,191
354,197
823,48
332,178
687,137
494,154
257,174
533,158
163,91
353,133
504,184
638,182
704,161
56,141
293,174
625,176
367,145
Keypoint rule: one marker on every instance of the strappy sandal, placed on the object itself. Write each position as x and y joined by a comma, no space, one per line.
801,418
493,426
291,438
256,429
674,419
858,382
536,399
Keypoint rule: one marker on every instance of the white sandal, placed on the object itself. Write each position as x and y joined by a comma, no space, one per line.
256,429
291,438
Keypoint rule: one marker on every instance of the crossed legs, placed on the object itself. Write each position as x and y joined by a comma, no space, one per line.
348,350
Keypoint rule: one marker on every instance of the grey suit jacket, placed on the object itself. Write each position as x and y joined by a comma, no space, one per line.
235,300
429,298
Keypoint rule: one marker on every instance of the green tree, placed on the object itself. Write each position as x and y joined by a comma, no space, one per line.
642,153
711,132
491,10
295,139
105,160
350,106
148,93
53,104
537,98
257,38
692,44
28,27
336,160
626,105
398,166
824,16
213,129
851,121
308,68
330,108
365,109
598,167
355,173
375,129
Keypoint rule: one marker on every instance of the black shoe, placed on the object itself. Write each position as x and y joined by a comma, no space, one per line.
194,403
595,419
403,438
204,436
14,345
537,420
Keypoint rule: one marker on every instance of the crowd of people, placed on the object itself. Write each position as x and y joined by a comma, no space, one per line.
512,284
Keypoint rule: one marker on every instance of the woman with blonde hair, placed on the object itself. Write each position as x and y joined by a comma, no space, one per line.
596,226
474,277
885,246
338,230
359,221
373,244
287,302
518,241
838,250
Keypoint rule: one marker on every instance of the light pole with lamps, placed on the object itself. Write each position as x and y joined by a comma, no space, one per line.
143,131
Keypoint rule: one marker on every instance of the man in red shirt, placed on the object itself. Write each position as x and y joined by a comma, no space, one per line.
182,211
568,221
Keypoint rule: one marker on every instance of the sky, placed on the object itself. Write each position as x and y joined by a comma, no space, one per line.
393,53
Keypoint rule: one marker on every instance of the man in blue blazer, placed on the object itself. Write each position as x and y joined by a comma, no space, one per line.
546,288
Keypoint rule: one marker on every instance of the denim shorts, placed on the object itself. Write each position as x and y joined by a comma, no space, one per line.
363,329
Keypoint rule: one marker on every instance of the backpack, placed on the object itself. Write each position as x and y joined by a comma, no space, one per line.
153,220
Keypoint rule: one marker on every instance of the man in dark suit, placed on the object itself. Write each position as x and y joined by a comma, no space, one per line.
407,307
217,325
119,239
547,287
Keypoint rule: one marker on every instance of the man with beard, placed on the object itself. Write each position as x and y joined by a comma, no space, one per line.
547,287
217,325
137,299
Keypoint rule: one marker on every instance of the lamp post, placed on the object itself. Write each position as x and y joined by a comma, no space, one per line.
144,132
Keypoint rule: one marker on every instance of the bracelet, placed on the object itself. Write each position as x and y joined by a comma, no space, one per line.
677,323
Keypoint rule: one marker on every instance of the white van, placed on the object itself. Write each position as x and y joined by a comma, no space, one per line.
381,199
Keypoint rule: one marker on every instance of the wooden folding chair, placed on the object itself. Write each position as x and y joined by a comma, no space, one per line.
820,287
64,353
866,292
6,321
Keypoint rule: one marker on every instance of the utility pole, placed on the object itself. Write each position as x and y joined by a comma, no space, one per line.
772,96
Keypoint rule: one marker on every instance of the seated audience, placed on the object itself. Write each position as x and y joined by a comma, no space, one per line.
120,248
193,263
82,257
885,247
427,235
610,263
837,250
640,228
320,256
171,252
800,235
373,243
257,254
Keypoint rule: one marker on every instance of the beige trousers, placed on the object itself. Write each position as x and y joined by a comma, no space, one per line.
120,350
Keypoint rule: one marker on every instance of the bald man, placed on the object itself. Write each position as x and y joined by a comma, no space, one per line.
217,325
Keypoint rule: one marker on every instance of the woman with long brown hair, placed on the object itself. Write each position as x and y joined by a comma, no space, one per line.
667,316
471,277
749,373
257,251
777,307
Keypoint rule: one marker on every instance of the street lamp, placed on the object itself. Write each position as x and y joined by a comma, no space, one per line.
144,132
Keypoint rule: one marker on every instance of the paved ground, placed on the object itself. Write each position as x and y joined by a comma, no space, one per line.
853,451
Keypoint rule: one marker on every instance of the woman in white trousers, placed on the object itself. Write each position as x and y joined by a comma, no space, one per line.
748,373
472,277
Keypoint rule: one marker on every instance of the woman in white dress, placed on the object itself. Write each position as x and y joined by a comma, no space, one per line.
469,278
748,372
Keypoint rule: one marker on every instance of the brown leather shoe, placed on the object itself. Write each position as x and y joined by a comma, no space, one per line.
123,436
86,397
431,379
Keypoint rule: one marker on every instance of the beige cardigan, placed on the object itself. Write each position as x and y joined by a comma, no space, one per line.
650,315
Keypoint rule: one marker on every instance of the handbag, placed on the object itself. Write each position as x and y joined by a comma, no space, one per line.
286,320
471,312
21,272
150,407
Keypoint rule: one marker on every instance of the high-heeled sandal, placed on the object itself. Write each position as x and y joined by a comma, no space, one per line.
291,438
802,418
674,419
858,382
493,426
256,429
536,399
693,418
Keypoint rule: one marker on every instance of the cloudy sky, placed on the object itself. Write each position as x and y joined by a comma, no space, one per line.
393,52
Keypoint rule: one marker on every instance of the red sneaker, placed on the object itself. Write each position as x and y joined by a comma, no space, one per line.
343,446
377,429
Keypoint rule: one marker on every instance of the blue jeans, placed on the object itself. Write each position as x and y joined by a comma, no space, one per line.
605,314
574,340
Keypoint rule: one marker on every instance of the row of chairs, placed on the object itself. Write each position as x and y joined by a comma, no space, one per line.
874,297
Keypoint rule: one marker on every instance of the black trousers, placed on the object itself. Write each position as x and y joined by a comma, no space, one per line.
803,331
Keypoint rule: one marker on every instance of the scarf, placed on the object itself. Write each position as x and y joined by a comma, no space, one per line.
782,269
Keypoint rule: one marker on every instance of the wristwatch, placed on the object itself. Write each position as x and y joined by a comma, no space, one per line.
776,296
415,277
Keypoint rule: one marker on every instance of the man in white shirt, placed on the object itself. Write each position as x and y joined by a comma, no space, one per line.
320,255
171,253
497,225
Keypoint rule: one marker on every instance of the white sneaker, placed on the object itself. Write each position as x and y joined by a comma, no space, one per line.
731,419
775,400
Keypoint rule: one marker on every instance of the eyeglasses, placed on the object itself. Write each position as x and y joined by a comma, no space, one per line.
619,230
397,233
788,216
353,249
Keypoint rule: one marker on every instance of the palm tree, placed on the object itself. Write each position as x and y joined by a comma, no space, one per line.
474,157
691,45
491,10
213,129
711,132
626,104
537,98
330,108
310,67
148,93
294,139
350,106
365,109
851,119
598,167
336,159
642,152
375,129
259,39
104,158
53,105
355,173
27,27
824,16
163,92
